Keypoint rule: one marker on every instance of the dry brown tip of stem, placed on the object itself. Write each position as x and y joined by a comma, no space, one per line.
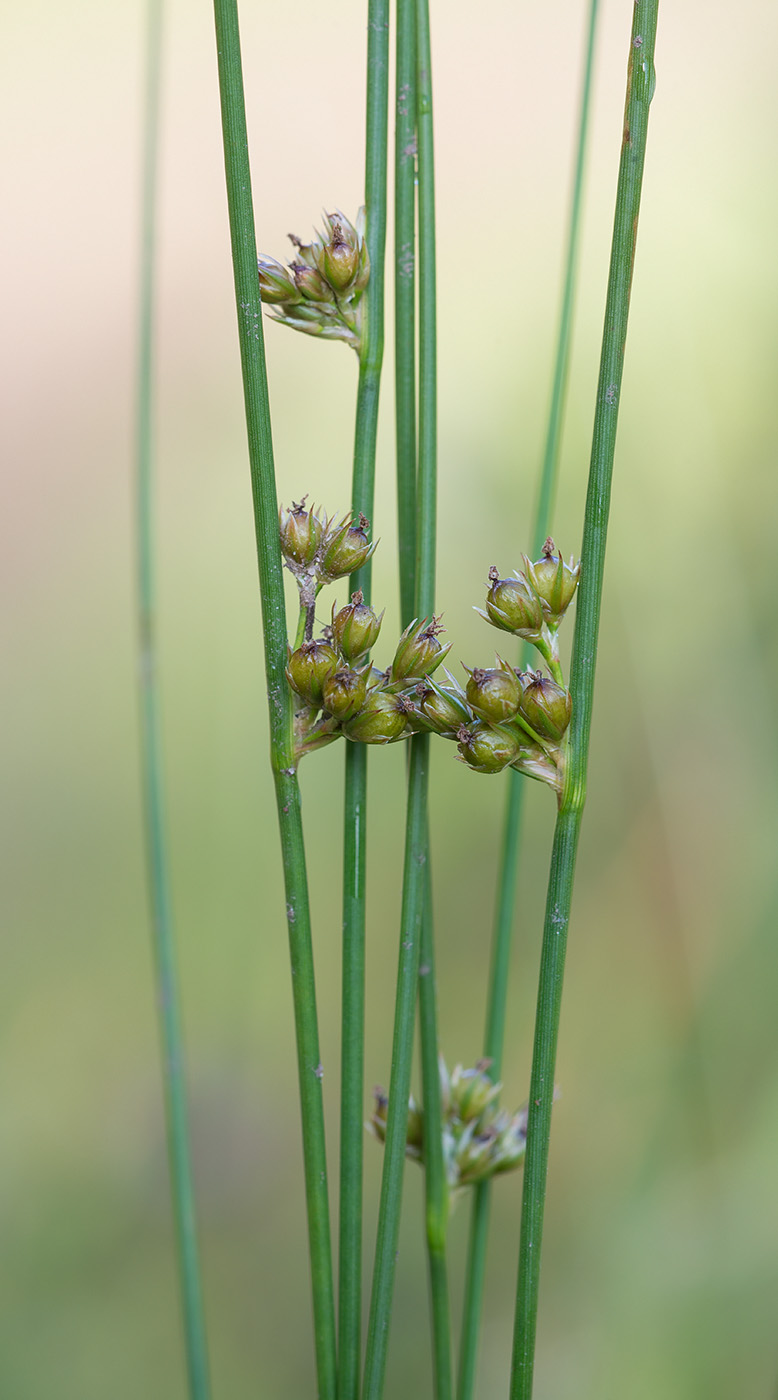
549,549
494,574
435,627
463,734
298,507
358,597
364,523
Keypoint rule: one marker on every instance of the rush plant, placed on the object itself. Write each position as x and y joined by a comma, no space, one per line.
324,685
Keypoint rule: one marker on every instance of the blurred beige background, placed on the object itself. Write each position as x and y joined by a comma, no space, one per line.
661,1268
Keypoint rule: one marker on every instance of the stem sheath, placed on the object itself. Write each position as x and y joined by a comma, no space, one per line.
640,88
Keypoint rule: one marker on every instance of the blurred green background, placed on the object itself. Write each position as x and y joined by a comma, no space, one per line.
661,1264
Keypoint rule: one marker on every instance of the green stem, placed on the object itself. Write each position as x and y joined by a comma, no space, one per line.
355,795
260,444
161,917
435,1182
405,301
506,890
414,873
640,86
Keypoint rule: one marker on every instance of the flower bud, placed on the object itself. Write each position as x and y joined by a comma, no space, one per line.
511,1143
302,532
275,283
554,581
442,707
487,749
383,718
494,694
344,693
339,260
512,606
310,283
419,652
355,628
472,1090
546,706
414,1136
308,668
346,548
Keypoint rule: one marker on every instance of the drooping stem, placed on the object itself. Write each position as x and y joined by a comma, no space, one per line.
250,333
355,796
414,872
161,917
640,87
405,302
509,859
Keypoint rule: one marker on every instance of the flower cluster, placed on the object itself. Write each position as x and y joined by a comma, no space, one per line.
479,1138
501,718
320,291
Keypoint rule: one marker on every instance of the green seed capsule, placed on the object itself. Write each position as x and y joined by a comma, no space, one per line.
344,693
419,652
443,709
546,706
512,606
494,694
383,719
345,549
275,283
487,749
301,534
308,668
355,628
554,581
310,283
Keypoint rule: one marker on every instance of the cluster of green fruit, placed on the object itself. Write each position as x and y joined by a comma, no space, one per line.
479,1139
502,718
320,291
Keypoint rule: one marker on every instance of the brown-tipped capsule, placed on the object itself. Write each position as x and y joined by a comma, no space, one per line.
308,668
346,548
494,694
310,283
512,606
301,533
487,749
344,693
546,706
339,260
442,707
419,652
383,718
355,628
554,581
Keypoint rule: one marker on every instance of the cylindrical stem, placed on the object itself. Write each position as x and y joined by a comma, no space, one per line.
507,880
405,302
436,1191
355,795
640,87
249,308
166,975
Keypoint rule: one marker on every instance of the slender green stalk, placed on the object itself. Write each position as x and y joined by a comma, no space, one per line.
435,1183
168,1000
507,880
414,873
640,87
252,350
355,797
405,301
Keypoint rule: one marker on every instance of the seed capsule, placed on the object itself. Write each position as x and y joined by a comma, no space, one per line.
487,749
344,693
419,652
355,628
512,606
546,706
442,708
309,282
346,548
301,532
308,668
494,694
383,718
339,260
275,283
554,581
